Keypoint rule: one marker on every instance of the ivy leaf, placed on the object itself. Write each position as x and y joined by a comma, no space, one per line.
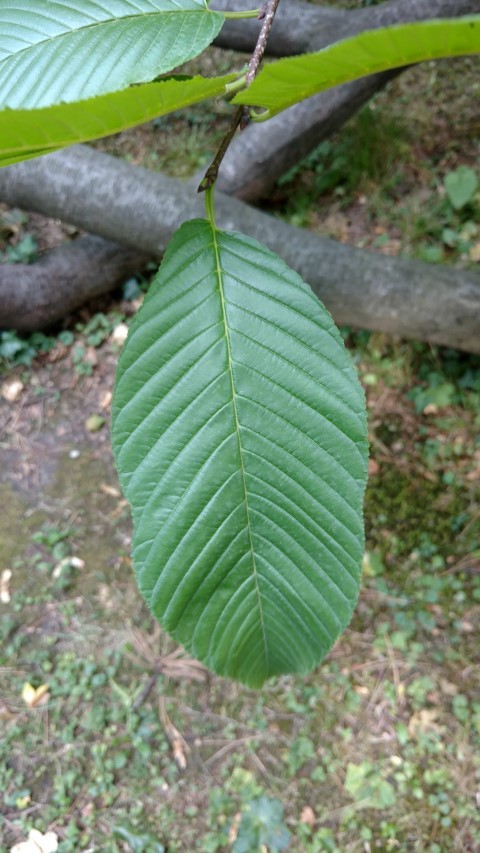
53,52
461,186
367,787
239,433
286,82
31,133
262,827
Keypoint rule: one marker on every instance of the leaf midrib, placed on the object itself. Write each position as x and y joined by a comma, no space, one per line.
219,274
105,23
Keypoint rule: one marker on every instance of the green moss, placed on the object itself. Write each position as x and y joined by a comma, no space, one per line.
401,511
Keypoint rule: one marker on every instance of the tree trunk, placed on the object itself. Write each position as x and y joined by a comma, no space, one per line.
34,296
141,209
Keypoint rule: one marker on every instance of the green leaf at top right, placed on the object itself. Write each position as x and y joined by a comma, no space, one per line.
288,81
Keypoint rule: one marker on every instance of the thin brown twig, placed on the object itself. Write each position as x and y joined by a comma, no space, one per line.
145,693
180,747
241,116
267,14
212,172
232,744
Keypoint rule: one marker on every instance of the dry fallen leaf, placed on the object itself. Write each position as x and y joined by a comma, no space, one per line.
106,399
119,334
5,712
474,253
466,627
233,833
34,696
37,842
5,579
111,491
424,721
308,816
448,688
178,743
74,562
91,356
473,475
11,390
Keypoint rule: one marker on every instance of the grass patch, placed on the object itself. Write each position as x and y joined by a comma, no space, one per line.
133,748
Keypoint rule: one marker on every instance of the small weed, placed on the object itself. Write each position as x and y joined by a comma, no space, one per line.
99,327
447,378
367,787
449,219
16,349
262,826
137,843
365,151
461,185
23,252
53,539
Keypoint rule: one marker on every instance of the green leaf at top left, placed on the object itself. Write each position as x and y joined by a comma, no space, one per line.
30,133
55,51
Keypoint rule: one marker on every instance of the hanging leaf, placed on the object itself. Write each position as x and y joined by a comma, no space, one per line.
30,133
239,432
53,52
282,84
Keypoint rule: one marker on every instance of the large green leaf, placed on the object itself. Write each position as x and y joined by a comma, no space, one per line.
240,439
283,83
29,133
52,51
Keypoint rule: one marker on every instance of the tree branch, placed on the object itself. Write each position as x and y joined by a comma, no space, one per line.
34,296
393,295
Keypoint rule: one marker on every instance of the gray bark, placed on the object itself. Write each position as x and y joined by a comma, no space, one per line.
141,209
46,291
34,296
259,156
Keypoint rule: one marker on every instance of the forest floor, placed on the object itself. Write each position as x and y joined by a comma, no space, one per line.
109,736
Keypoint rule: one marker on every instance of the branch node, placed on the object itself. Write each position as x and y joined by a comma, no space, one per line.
242,115
245,119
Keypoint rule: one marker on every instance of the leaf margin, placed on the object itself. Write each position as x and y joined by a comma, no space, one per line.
173,92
